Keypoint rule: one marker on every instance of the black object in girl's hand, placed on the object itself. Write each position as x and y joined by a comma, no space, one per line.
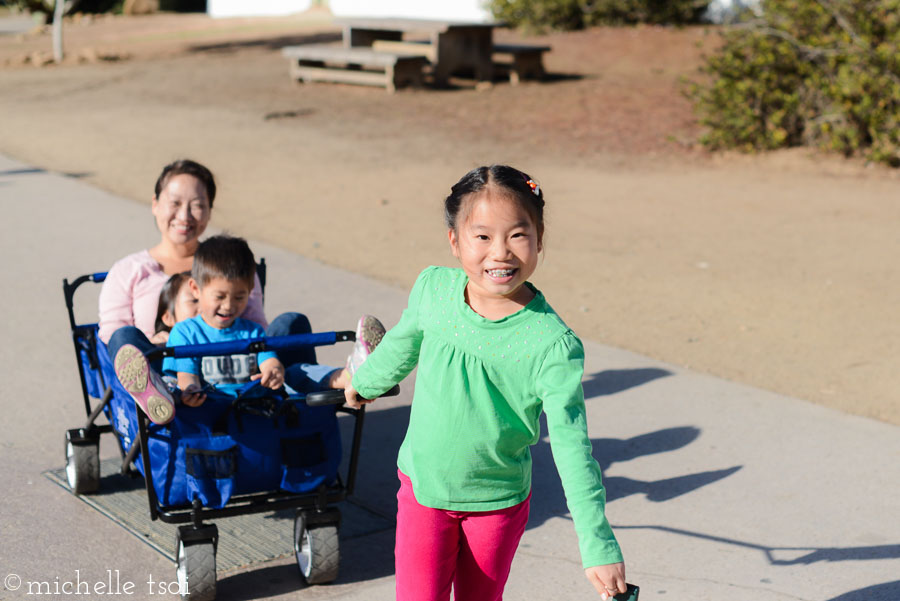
629,595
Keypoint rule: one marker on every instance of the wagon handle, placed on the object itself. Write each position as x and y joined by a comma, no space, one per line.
336,397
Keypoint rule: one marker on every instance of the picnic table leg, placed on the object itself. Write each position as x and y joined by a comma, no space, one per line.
441,62
464,49
407,73
529,65
391,78
484,72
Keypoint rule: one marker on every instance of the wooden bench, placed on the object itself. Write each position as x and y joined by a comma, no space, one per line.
455,45
407,48
360,65
522,61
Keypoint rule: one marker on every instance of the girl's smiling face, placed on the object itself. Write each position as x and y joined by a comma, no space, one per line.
498,246
185,305
182,209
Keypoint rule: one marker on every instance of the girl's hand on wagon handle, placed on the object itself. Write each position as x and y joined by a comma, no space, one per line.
353,399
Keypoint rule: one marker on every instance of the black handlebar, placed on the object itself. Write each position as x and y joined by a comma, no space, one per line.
336,397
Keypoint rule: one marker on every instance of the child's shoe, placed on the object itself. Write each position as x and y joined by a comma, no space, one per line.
141,382
369,332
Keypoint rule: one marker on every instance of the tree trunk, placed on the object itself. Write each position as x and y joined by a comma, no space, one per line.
57,31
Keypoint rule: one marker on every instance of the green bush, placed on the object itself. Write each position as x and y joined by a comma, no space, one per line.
576,14
46,7
822,73
35,7
539,14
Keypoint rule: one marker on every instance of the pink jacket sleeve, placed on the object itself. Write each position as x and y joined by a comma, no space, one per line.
130,295
116,303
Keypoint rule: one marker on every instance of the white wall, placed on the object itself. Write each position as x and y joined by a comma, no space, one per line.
462,10
255,8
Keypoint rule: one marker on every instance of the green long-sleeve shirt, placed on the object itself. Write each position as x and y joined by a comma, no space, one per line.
480,389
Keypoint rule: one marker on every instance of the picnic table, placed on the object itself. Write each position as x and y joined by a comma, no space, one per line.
450,46
376,51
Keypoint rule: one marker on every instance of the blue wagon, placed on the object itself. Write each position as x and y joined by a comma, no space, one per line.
259,452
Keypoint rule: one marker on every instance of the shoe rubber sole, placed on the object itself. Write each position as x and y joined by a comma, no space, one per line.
133,371
369,331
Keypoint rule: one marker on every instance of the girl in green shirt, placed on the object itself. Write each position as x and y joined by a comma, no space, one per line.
492,354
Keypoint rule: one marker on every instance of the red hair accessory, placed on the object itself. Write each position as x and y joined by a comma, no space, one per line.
534,187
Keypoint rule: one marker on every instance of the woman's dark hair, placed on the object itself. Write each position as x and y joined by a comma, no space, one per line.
515,183
187,167
167,297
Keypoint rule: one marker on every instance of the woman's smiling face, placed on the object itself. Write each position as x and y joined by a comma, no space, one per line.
182,209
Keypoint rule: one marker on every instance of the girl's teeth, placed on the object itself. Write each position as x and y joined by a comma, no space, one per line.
500,273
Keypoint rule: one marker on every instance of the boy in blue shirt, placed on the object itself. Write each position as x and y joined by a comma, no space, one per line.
222,277
221,280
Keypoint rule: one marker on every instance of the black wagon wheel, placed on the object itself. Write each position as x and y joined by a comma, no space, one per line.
82,464
195,568
318,551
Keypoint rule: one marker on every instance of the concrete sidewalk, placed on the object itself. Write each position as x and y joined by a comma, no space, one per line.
717,491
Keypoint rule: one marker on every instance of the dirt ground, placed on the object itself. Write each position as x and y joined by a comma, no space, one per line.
774,270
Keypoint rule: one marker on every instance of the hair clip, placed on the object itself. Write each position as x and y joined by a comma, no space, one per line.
534,187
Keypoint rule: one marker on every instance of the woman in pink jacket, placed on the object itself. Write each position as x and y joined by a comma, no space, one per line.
182,204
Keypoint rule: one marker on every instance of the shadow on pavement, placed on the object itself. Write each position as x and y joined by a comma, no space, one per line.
612,381
667,489
376,484
888,591
268,43
559,77
790,556
259,583
35,171
363,559
548,499
27,171
370,557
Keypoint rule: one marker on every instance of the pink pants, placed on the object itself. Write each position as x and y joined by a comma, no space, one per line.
470,550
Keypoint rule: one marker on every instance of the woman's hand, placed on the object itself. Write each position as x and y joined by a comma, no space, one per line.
609,580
